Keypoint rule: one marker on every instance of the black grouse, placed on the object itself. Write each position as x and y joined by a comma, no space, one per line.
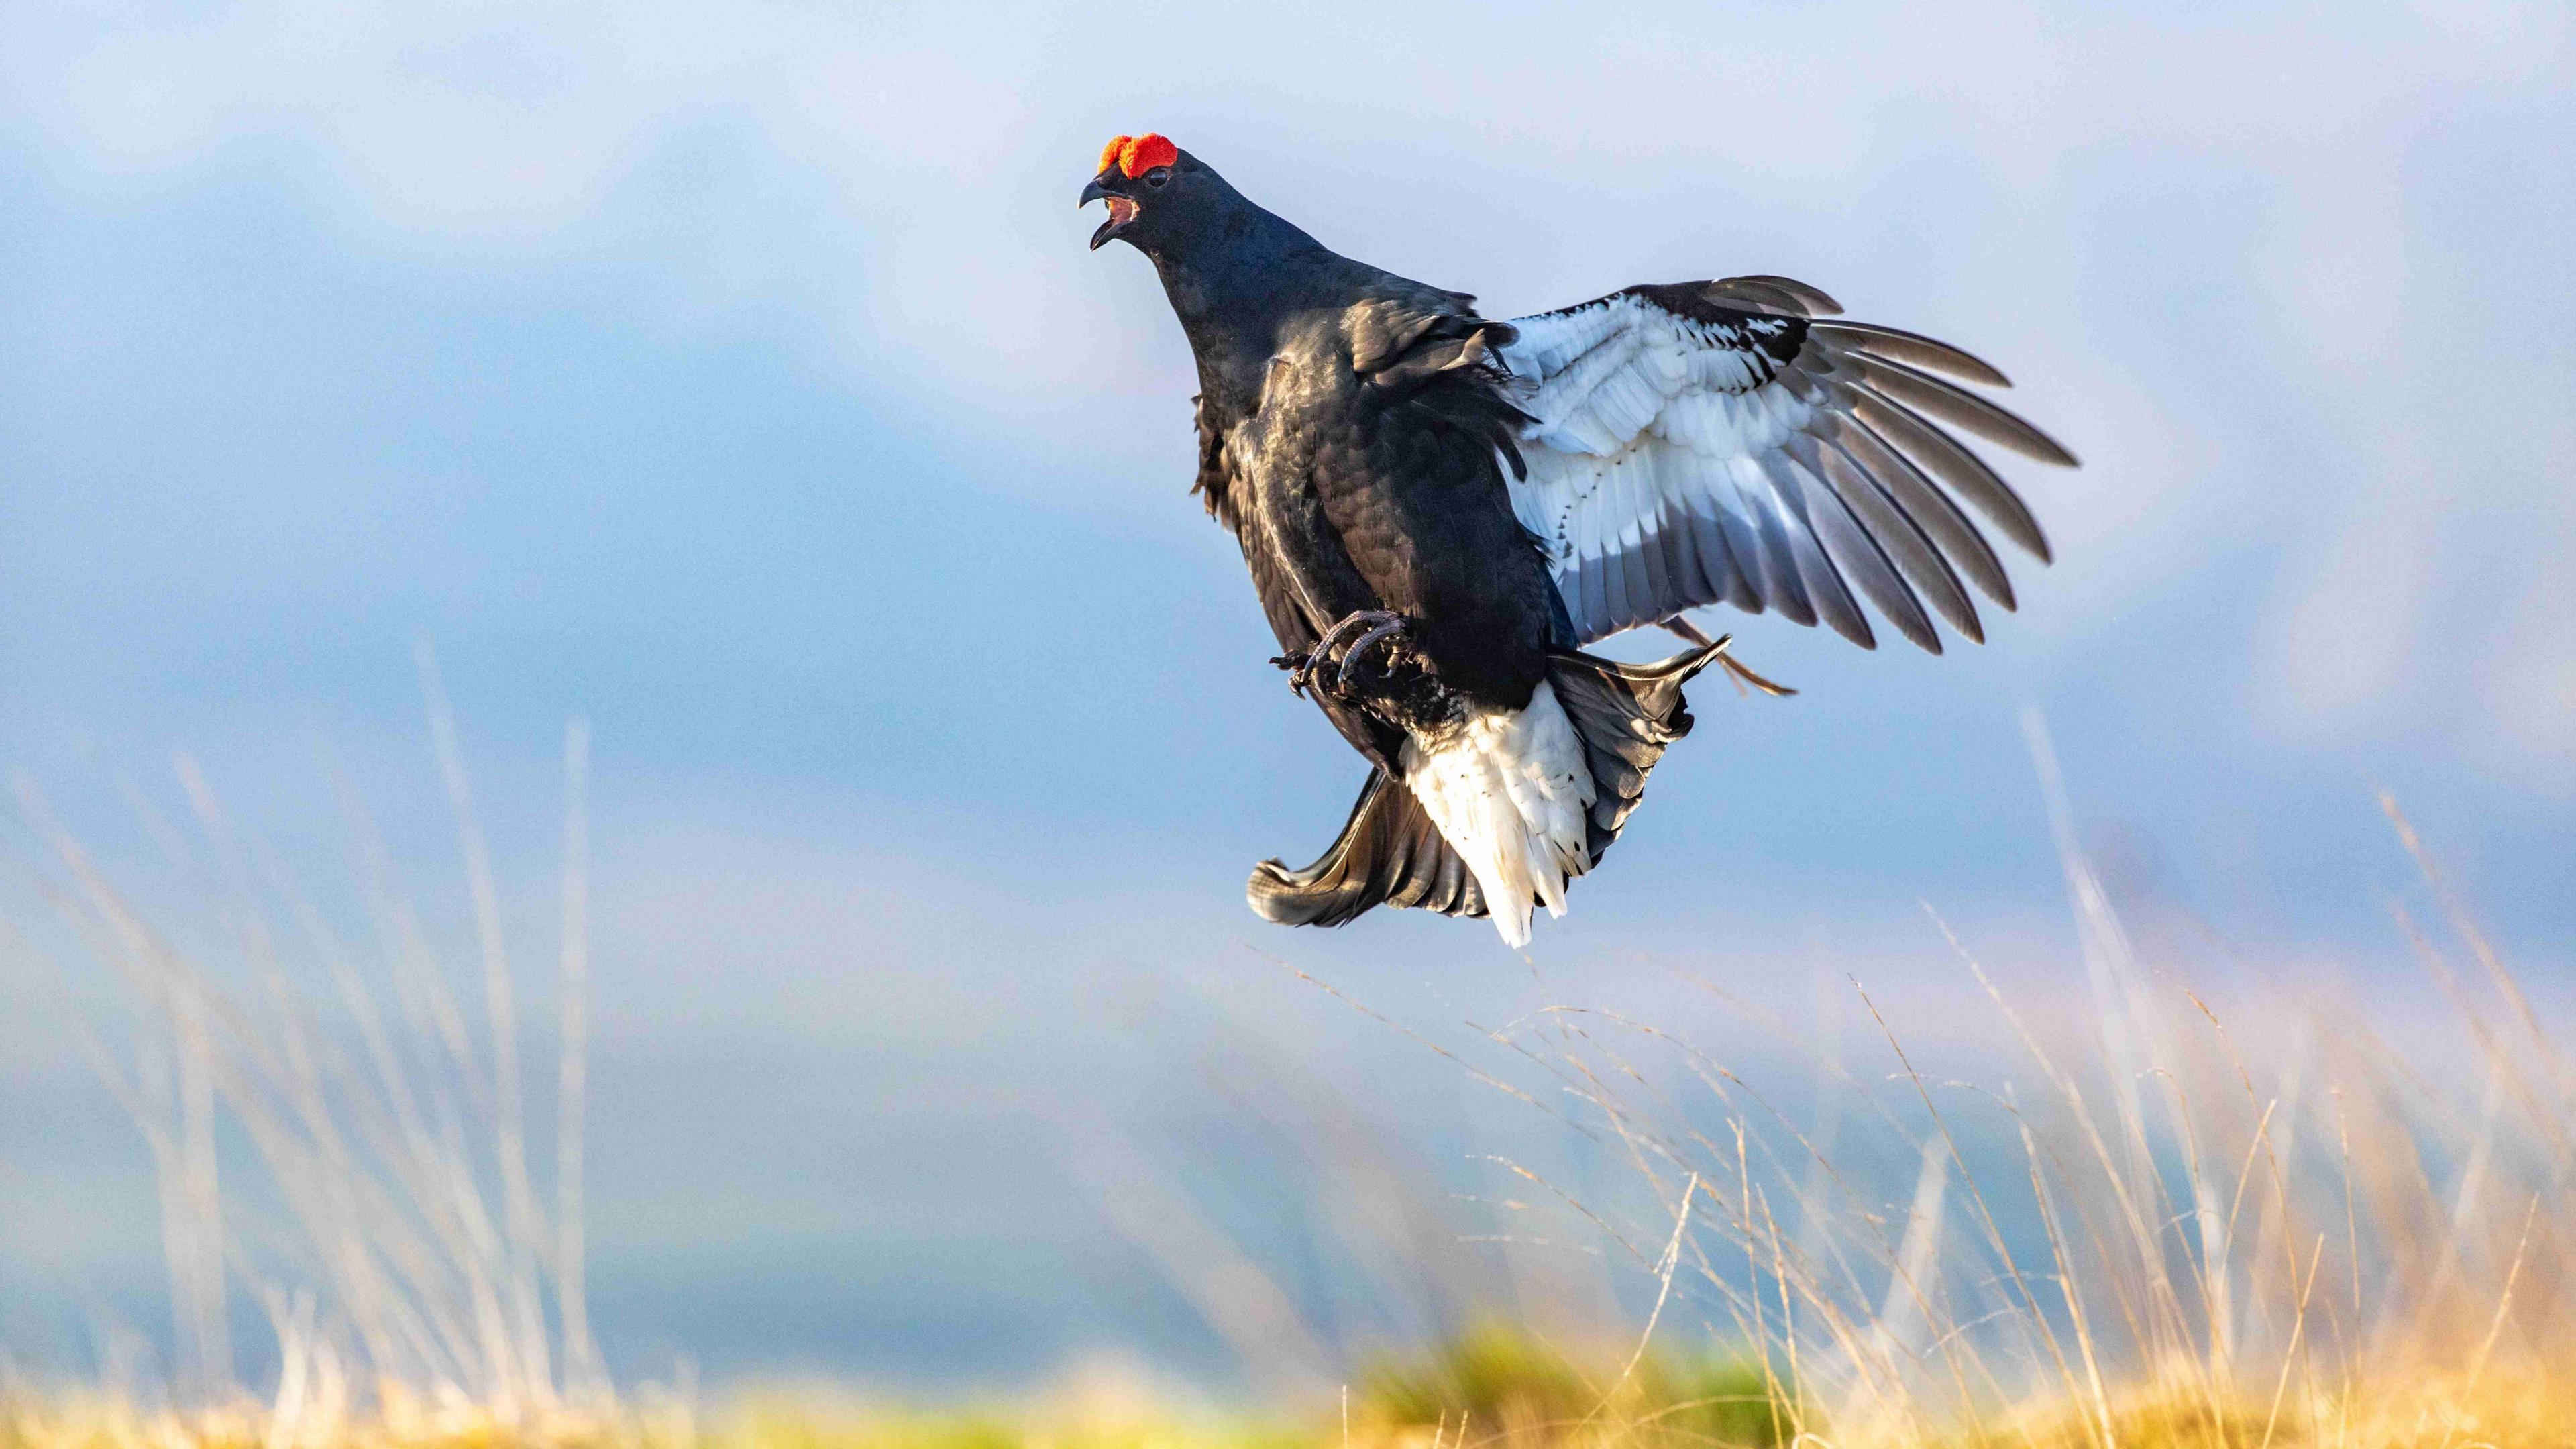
1441,510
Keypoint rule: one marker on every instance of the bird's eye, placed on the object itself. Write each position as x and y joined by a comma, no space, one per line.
1158,175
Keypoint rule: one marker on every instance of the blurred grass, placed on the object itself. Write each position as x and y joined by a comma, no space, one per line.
2237,1233
1524,1390
1494,1386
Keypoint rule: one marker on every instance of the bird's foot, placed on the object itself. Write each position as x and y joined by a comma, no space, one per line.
1384,626
1301,670
1372,626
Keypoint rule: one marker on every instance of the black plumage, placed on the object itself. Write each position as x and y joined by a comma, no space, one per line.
1433,507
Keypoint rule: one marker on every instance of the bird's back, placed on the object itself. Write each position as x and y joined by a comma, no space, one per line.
1371,454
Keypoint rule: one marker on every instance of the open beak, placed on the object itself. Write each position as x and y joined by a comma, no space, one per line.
1122,209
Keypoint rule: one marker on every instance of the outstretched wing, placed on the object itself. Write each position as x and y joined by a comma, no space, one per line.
1728,442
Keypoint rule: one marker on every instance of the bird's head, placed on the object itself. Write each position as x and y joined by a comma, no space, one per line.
1152,191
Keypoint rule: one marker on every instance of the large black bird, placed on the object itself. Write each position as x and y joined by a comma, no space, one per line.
1440,510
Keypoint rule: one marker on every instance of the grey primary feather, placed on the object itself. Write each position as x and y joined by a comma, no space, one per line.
1785,581
1809,301
1942,456
1863,558
1901,537
1885,524
1681,545
1930,508
1638,568
1730,577
1658,583
1903,346
1826,590
1960,409
1757,296
1585,591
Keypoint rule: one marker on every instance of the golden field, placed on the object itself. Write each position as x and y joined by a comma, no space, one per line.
2163,1224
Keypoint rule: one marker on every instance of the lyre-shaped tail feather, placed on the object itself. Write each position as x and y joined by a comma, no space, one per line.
1390,853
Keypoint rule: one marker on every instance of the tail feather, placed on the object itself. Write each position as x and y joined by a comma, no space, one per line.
1389,853
1510,791
1626,715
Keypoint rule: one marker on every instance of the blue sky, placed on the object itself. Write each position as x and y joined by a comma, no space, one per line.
742,384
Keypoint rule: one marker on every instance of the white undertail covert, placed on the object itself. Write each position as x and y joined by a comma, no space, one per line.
1509,792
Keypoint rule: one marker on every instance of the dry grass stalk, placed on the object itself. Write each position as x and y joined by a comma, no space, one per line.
2194,1234
413,1283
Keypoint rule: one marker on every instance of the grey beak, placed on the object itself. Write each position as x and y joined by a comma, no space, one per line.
1099,190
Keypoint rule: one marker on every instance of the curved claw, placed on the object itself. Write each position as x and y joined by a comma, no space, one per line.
1350,624
1377,624
1394,624
1301,671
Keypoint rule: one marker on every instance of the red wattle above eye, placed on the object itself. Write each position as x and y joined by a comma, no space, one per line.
1140,154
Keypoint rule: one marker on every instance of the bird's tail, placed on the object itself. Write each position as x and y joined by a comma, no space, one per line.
1388,854
1626,715
1394,851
